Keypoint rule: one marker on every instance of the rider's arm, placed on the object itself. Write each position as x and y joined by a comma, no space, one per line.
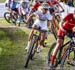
61,25
33,14
34,7
67,18
60,6
50,23
29,18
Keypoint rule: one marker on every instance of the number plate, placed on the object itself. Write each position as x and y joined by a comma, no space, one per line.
36,32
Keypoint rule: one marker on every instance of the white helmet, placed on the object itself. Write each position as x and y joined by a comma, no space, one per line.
45,5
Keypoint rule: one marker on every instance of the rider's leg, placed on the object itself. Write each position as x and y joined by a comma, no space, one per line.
41,41
30,37
57,47
60,41
10,10
55,23
20,15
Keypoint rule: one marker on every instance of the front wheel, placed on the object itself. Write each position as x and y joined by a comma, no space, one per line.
30,52
58,55
7,16
68,65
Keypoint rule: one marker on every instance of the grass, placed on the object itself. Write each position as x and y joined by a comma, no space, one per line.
12,44
12,51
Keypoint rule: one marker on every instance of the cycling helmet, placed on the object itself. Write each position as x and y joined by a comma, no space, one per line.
45,6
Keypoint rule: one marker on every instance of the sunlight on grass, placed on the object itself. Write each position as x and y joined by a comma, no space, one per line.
1,1
3,22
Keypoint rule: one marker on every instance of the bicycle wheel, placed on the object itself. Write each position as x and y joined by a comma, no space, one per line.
29,55
34,50
57,60
7,16
14,18
68,65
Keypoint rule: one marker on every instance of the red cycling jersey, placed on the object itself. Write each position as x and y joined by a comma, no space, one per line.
70,22
68,25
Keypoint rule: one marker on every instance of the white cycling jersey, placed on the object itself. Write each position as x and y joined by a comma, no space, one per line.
23,8
42,19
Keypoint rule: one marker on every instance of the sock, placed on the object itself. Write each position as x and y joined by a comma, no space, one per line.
28,44
38,45
52,59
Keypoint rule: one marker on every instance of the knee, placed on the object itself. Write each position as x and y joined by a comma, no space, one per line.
59,43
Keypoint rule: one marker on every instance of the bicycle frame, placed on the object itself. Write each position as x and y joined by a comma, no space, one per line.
60,52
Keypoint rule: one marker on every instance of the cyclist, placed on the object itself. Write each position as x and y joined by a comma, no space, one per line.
65,27
12,6
35,5
33,8
41,21
23,10
54,8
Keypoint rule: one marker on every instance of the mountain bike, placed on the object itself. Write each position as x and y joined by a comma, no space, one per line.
62,55
11,18
33,45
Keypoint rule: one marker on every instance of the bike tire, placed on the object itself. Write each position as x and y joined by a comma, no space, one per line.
63,61
30,52
57,61
7,18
